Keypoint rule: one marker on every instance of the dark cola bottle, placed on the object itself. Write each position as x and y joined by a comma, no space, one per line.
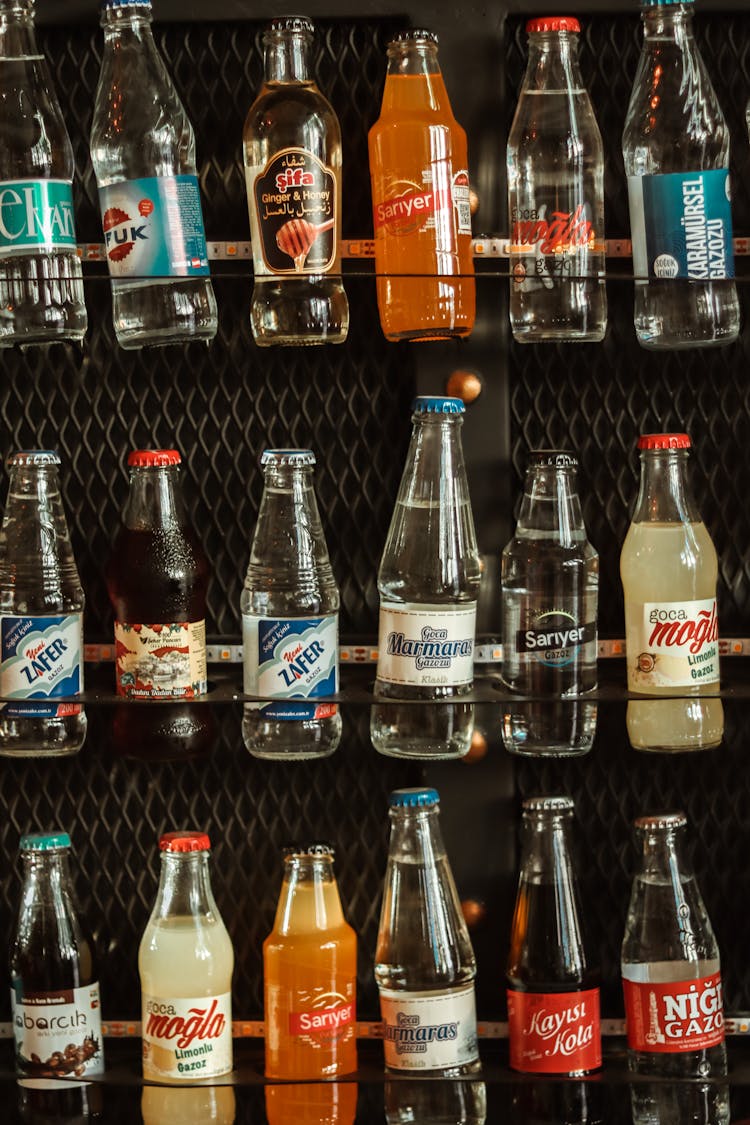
553,993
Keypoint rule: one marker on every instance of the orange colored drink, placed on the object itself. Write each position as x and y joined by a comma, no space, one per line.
324,1103
310,974
420,194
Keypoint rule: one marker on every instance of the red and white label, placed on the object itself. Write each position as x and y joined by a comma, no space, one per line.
554,1032
324,1023
676,644
563,232
677,1016
187,1038
409,208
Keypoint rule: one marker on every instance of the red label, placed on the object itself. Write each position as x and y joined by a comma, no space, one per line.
684,1015
323,1022
554,1032
563,232
404,214
695,634
199,1024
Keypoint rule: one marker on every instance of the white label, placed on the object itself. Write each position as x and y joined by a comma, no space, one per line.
427,645
677,645
58,1033
185,1039
429,1031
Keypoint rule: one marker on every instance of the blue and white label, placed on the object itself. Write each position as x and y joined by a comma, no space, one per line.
681,225
42,658
288,659
153,227
36,215
427,645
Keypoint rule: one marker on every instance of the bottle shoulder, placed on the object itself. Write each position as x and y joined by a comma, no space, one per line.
283,108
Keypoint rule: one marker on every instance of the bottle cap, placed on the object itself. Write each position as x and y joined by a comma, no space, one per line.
184,842
413,798
107,5
552,23
548,804
292,23
552,458
413,35
661,820
664,3
34,457
319,848
664,441
44,841
426,404
287,457
153,458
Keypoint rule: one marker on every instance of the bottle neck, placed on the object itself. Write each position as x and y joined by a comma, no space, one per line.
129,21
665,495
17,35
34,536
184,886
435,463
289,535
553,62
418,61
550,507
287,56
673,22
48,892
309,899
154,499
661,854
415,836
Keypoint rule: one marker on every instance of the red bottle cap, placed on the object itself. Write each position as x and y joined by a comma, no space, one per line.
184,842
153,458
553,23
664,441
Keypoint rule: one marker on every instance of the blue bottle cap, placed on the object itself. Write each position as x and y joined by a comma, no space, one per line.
413,798
287,457
34,457
44,841
665,3
426,404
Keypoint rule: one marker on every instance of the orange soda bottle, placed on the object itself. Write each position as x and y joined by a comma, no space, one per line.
310,973
318,1103
420,195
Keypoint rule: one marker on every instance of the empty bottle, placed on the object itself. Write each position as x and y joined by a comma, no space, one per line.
424,962
550,588
555,164
553,993
292,154
428,583
41,289
671,977
290,619
676,153
143,152
41,603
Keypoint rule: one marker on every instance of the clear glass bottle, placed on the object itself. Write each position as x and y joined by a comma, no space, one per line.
424,962
41,615
550,592
199,1105
553,993
292,154
555,164
672,982
669,569
41,286
676,152
428,583
290,619
185,961
143,152
53,971
435,1102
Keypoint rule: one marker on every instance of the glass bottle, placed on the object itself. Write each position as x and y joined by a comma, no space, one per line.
41,286
669,569
676,152
428,583
550,591
310,973
424,962
311,1103
290,619
197,1105
420,193
143,152
41,616
292,154
671,976
53,970
185,961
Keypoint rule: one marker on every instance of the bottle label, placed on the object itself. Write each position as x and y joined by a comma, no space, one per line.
548,244
426,1031
187,1038
677,645
554,637
554,1032
678,1016
42,658
411,208
58,1033
681,225
291,658
161,661
294,198
36,215
424,646
330,1022
153,227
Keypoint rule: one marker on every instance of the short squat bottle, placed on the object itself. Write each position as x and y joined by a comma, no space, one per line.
550,586
292,153
428,584
41,615
290,619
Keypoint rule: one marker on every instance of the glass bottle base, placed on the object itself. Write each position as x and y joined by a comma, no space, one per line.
432,733
289,740
297,312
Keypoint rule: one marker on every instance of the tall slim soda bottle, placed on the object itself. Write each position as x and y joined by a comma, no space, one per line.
420,195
